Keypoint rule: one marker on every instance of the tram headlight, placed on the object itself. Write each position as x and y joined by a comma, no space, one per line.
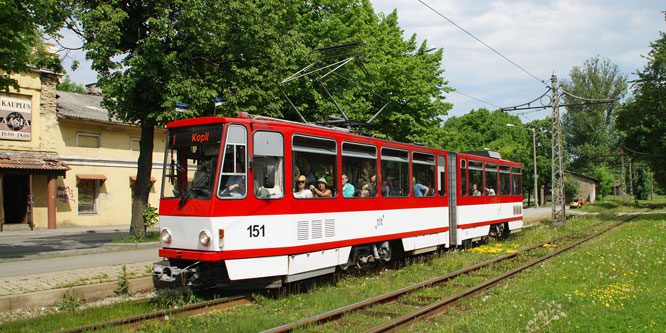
204,237
165,236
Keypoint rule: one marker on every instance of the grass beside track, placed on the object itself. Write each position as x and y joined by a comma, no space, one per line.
610,283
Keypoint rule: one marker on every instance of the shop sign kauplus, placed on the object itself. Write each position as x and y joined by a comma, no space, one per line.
15,118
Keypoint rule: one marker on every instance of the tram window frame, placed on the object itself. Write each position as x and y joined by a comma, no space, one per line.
354,154
190,166
513,182
239,146
424,167
490,171
395,159
441,174
463,177
271,150
474,178
305,150
505,180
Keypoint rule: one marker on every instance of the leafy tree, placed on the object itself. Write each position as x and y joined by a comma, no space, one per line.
151,55
642,187
570,188
24,25
641,121
606,181
68,85
588,130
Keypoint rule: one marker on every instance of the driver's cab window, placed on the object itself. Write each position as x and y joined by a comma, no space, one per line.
233,180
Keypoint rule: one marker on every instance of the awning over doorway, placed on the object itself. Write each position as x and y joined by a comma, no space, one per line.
32,165
100,177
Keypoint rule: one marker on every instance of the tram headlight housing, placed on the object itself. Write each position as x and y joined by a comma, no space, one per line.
165,236
205,237
221,235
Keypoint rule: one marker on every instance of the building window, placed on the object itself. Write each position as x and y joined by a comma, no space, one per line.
88,193
89,140
135,144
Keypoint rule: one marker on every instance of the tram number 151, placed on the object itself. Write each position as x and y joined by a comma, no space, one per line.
256,230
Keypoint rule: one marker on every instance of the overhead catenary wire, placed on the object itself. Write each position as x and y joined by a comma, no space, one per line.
478,99
484,44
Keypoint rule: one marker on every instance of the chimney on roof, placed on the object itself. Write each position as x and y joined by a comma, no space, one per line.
92,89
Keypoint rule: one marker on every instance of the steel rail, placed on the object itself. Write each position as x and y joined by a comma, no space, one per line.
486,284
330,315
190,309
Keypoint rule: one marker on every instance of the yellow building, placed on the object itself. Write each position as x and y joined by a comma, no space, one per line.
63,162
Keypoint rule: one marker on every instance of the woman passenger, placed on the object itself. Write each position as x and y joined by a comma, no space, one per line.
300,191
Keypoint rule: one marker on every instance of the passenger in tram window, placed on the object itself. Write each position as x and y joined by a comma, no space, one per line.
300,190
347,188
419,189
371,187
234,186
320,191
365,193
307,173
490,192
475,191
386,187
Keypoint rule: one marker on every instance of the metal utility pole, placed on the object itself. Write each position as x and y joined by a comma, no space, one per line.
536,189
559,213
557,179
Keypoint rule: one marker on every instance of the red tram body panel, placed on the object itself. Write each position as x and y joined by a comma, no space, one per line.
276,201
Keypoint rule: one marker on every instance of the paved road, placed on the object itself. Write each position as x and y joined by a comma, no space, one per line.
38,266
24,245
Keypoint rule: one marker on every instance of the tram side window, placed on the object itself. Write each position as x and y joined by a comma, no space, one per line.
505,180
314,161
463,178
491,179
268,165
233,180
423,174
516,181
475,178
441,171
395,173
359,171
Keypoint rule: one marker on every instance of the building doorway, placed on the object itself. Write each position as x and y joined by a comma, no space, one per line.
15,194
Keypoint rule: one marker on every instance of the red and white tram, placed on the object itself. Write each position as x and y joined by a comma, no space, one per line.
260,201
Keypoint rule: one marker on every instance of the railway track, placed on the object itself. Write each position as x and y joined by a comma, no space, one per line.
406,305
185,311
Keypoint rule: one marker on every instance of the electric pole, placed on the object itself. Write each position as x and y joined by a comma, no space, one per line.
557,180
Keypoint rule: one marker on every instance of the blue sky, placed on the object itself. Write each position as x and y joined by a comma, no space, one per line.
543,37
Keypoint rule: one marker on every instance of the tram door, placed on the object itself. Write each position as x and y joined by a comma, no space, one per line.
15,198
453,195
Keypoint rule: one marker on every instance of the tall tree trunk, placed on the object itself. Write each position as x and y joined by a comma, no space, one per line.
142,184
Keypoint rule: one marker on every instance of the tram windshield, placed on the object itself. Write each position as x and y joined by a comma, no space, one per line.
191,162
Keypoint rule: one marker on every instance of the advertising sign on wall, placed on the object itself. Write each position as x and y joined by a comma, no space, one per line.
15,118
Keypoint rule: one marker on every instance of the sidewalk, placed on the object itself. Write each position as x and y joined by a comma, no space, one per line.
44,259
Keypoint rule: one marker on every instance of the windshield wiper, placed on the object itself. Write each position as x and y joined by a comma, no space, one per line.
198,186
